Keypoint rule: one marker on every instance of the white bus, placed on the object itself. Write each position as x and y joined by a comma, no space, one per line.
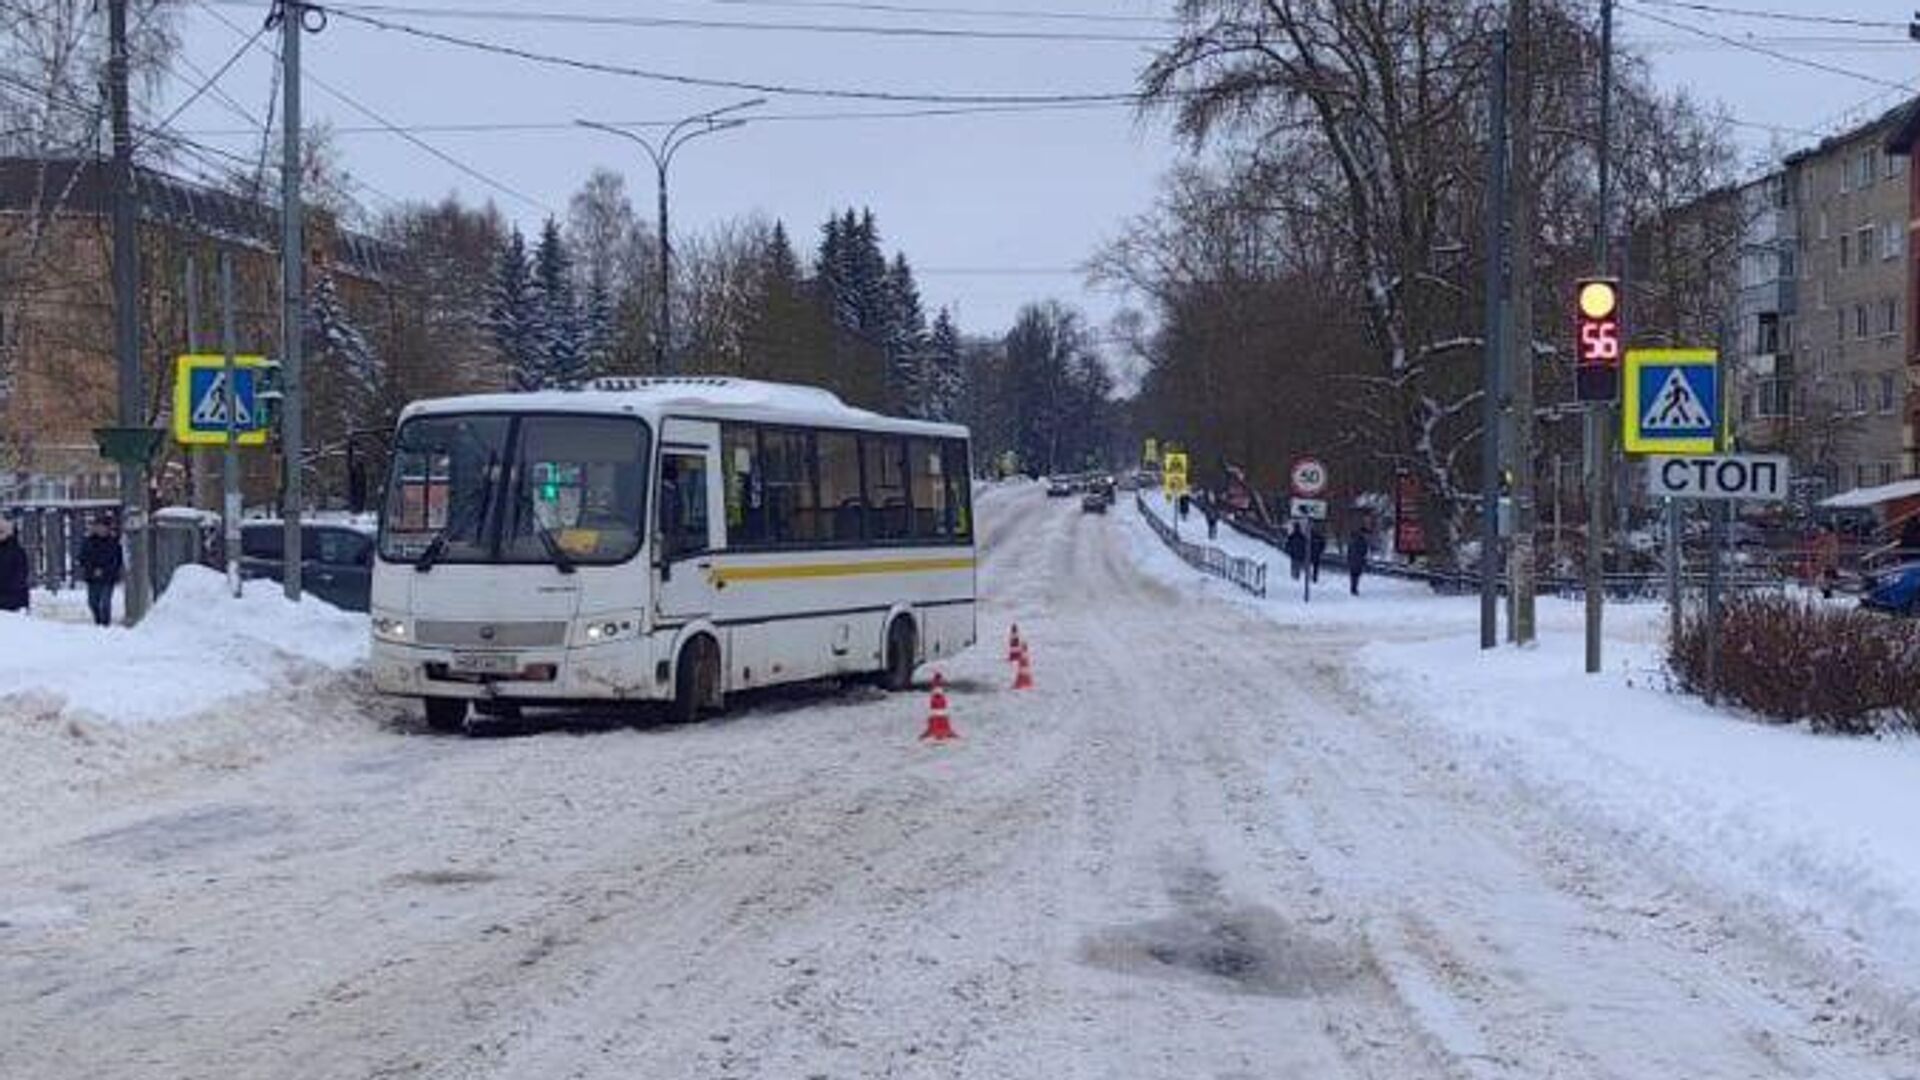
670,540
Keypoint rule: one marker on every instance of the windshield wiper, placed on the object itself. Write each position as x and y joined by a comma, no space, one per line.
438,545
561,560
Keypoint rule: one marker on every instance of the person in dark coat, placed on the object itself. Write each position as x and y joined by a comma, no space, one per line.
1316,547
13,569
1211,511
1359,547
100,566
1296,549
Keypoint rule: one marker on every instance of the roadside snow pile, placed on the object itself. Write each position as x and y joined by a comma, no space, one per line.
198,647
1804,829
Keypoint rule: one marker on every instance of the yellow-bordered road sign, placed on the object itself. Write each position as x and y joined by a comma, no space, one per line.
1672,403
200,400
1173,473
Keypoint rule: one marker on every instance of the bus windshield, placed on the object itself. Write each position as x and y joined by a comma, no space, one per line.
516,489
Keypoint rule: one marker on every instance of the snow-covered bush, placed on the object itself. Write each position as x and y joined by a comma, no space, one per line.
1792,660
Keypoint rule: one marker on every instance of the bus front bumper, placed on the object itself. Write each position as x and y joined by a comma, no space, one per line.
617,671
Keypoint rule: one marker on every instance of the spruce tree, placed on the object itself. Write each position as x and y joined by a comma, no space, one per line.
558,335
512,316
904,331
945,376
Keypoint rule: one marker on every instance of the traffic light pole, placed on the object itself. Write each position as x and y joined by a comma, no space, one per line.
292,295
1599,412
230,459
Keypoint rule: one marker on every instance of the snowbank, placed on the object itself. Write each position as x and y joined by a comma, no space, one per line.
197,647
1805,829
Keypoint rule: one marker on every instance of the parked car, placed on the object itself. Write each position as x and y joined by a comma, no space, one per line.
1096,501
336,559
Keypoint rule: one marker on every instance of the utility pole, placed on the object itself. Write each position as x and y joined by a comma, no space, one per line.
126,312
292,295
1597,443
1493,336
201,461
682,132
1520,360
230,461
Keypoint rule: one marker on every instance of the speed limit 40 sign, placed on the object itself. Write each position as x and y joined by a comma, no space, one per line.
1308,477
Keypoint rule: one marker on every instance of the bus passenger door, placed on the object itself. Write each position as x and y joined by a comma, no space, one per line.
688,497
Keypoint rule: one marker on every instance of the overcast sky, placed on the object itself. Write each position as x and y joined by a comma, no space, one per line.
993,210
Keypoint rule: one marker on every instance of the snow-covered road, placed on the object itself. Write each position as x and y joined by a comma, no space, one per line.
1195,850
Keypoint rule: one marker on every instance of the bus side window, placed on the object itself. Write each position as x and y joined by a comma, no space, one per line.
885,472
932,519
842,505
959,490
739,464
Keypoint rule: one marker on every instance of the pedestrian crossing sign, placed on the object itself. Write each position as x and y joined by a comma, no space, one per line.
200,401
1672,402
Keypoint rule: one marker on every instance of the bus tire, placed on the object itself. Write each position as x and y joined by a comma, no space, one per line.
902,644
447,715
696,680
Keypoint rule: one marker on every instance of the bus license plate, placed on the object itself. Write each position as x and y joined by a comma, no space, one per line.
485,664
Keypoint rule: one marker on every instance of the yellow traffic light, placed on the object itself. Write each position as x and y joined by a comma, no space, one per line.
1599,299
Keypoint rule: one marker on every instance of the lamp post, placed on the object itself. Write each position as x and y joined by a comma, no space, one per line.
679,134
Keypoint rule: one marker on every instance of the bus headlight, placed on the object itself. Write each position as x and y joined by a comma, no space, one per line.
604,628
389,629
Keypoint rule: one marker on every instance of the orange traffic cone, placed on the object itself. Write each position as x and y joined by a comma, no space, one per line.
1023,674
939,725
1013,644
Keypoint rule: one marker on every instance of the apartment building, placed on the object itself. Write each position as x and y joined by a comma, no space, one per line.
1838,397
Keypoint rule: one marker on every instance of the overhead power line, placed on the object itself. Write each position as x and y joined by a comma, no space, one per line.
880,7
1786,58
782,89
569,126
1778,16
364,110
663,22
209,82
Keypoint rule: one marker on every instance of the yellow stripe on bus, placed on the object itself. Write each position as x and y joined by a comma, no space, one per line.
821,570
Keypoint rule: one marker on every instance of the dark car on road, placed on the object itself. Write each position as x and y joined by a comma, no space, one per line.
336,559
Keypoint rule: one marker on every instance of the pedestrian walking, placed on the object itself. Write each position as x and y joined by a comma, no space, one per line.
1316,547
13,569
1359,548
101,564
1211,511
1296,548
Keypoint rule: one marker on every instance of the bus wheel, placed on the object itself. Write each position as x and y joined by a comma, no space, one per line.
696,680
446,714
900,656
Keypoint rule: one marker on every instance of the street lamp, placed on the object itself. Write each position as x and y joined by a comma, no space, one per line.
679,134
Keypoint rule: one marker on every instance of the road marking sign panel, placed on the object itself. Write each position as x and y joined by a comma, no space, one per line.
1672,402
1173,473
1760,477
200,406
1311,509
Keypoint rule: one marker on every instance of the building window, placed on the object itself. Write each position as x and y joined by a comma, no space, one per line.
1746,406
1863,244
1846,247
1860,474
1886,472
1889,317
1769,338
1859,320
1823,223
1891,240
1786,262
1840,324
1886,391
1776,398
1859,393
